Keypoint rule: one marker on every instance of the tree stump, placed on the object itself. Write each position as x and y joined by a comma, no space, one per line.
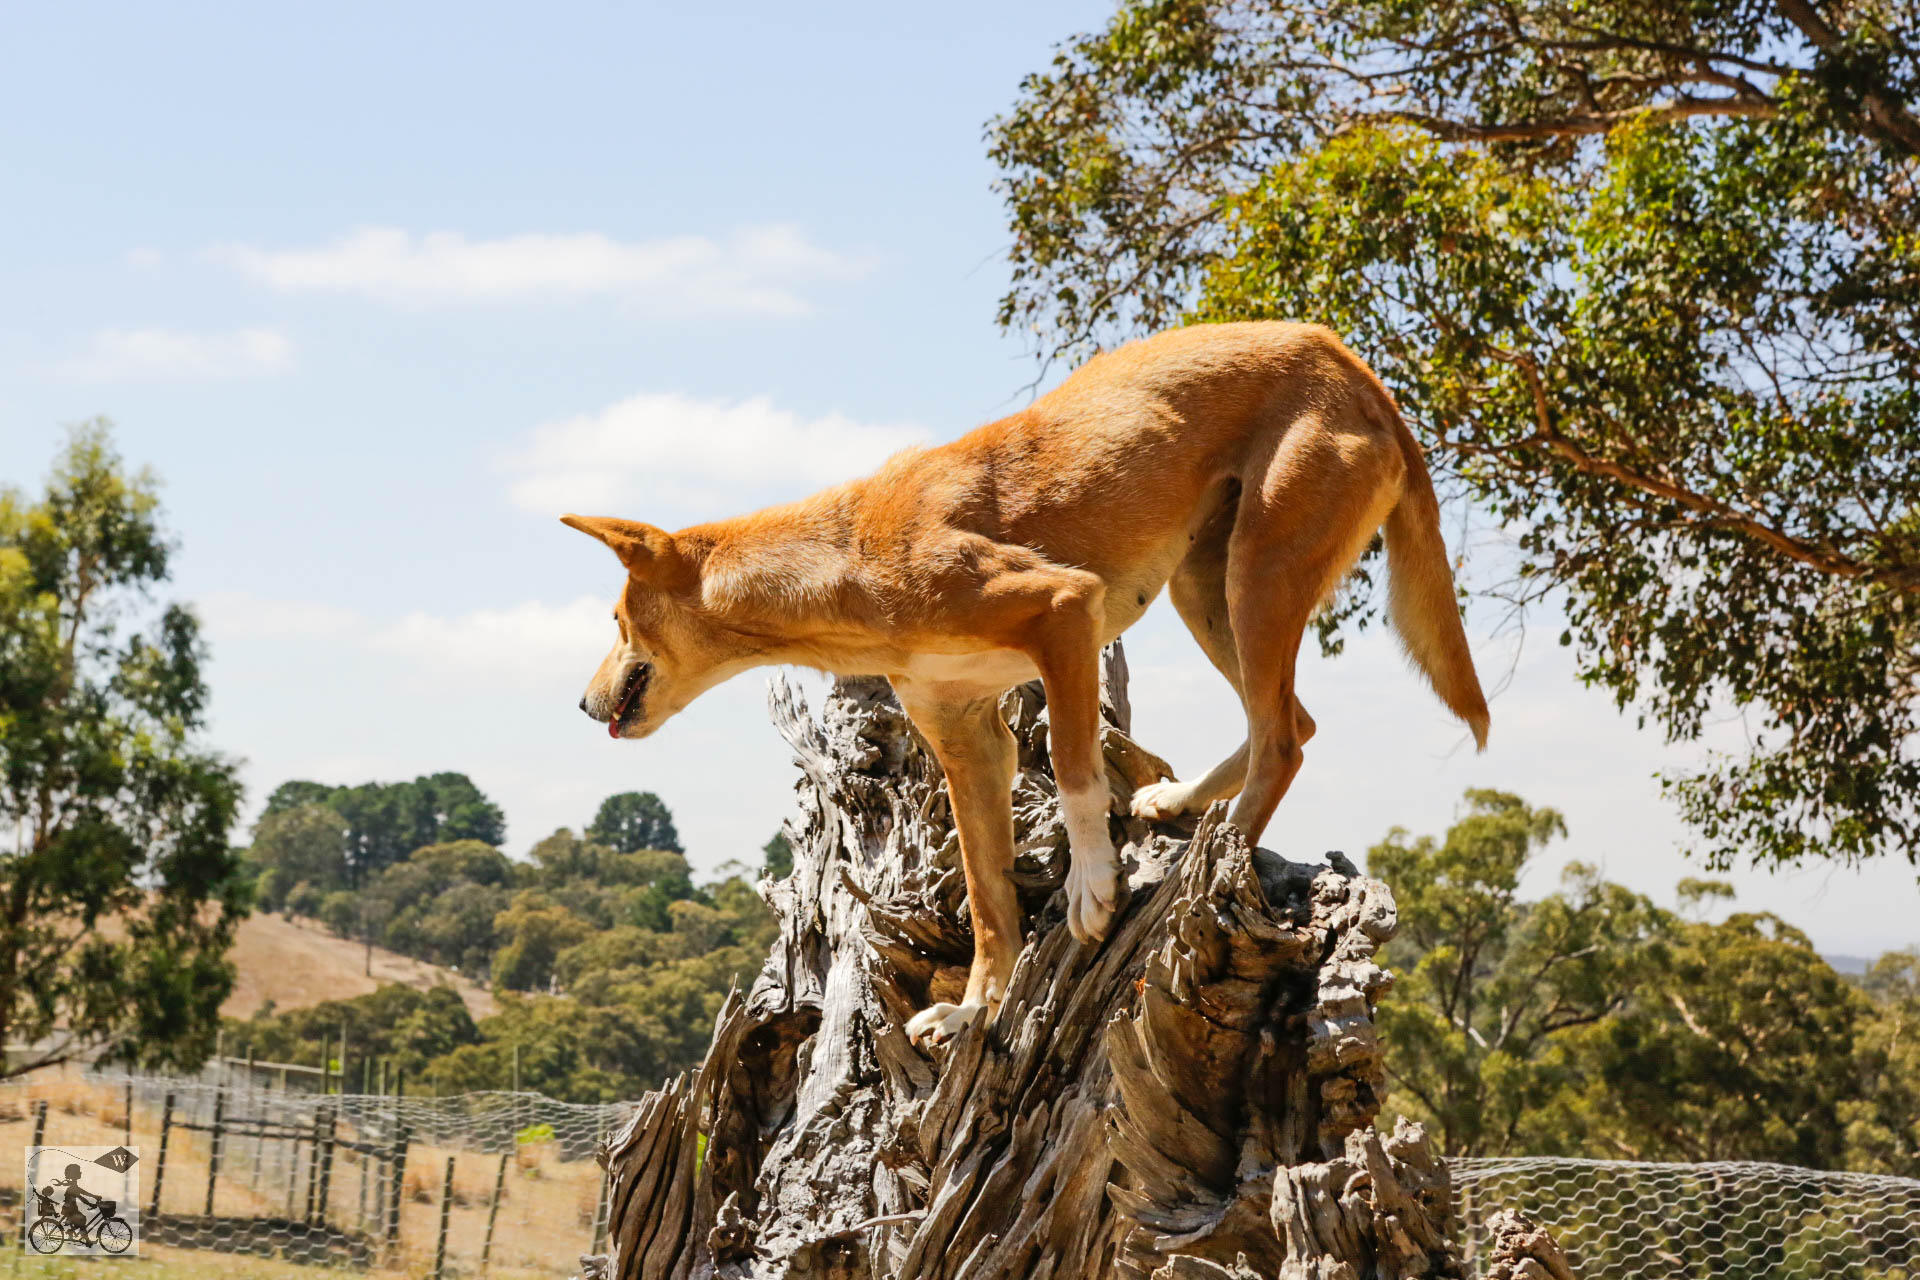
1191,1099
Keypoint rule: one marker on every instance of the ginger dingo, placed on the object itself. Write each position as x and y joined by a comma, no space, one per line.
1244,467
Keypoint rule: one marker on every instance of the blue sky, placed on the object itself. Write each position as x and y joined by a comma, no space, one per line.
381,290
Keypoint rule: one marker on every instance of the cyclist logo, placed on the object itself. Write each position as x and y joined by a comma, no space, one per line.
85,1200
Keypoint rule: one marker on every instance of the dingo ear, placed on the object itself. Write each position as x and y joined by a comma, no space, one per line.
648,553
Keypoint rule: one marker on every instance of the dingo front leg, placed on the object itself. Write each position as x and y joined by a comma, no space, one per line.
977,752
1068,655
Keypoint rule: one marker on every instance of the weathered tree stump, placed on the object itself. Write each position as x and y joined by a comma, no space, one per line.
1192,1098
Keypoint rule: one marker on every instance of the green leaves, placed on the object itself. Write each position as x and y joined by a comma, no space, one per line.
1592,1022
1648,276
635,820
119,892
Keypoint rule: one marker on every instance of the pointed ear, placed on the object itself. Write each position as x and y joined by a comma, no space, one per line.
649,554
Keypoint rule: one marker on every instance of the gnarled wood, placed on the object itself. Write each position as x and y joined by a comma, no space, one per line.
1190,1100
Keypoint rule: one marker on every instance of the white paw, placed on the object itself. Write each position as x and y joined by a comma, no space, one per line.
940,1023
1159,801
1092,890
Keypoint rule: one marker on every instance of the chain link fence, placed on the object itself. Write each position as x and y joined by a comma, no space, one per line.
238,1178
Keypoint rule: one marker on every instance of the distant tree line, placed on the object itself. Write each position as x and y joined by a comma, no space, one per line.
608,960
1594,1022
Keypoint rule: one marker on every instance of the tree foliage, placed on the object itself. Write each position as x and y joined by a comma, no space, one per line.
1489,982
1593,1022
119,893
405,1027
609,965
298,855
386,821
1646,273
634,820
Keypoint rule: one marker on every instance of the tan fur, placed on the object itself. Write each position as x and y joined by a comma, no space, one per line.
1246,466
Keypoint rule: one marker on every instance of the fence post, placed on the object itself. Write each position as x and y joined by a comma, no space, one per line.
160,1161
259,1100
606,1181
446,1212
26,1195
493,1210
129,1139
396,1179
313,1165
326,1144
293,1166
213,1151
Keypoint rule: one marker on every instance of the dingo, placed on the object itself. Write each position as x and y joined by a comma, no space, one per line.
1245,467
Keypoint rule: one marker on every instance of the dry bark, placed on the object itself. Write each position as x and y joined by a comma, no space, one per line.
1190,1100
1523,1250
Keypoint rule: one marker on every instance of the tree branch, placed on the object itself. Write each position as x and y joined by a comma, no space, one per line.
1826,561
1887,113
1576,126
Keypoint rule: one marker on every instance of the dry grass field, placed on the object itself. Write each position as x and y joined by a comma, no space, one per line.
296,963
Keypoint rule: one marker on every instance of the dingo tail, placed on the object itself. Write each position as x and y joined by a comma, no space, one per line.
1420,596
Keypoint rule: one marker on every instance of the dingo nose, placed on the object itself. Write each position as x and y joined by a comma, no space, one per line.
583,704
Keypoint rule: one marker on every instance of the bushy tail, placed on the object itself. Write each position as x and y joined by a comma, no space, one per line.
1420,597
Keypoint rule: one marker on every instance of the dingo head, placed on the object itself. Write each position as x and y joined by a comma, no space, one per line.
670,650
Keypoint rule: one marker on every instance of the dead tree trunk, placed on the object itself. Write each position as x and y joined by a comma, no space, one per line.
1193,1098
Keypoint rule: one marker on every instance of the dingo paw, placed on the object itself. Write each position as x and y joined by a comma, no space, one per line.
1093,890
1161,801
939,1023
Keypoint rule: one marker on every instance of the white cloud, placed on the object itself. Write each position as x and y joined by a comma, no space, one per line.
758,270
245,614
525,644
664,453
116,354
522,644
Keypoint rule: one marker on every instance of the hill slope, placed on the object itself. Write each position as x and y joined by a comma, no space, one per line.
296,963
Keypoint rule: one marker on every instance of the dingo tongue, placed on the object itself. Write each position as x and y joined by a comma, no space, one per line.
613,727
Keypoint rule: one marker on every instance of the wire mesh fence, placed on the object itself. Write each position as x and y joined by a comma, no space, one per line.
1619,1220
247,1180
240,1178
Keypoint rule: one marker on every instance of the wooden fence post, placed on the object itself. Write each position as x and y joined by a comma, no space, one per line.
493,1210
26,1194
313,1166
213,1150
160,1161
606,1186
397,1176
293,1167
129,1137
446,1213
326,1143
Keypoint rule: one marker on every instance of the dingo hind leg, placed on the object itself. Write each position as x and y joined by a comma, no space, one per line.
1198,590
1199,593
1305,517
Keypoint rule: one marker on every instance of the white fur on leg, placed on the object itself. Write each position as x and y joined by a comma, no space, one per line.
939,1023
1092,870
1159,801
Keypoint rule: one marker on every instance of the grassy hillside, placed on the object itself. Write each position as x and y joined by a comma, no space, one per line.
296,963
